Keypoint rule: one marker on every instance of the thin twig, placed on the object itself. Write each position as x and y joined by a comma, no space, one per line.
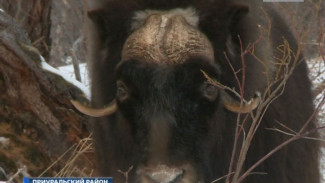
16,174
126,173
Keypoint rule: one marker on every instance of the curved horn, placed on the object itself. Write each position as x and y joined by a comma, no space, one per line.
235,106
110,109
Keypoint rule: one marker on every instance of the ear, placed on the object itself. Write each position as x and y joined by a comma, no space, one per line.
97,15
235,13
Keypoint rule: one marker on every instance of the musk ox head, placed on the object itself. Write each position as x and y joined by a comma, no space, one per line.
166,105
168,39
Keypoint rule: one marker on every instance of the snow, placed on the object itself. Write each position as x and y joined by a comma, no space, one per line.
84,88
67,60
69,71
4,141
317,75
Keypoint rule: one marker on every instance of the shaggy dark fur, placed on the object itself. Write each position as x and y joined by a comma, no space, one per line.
201,132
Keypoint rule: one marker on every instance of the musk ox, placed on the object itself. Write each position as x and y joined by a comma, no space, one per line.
166,121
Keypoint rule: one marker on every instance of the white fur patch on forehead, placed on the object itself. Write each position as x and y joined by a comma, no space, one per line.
189,14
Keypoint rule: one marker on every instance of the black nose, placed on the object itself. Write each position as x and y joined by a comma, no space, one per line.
162,174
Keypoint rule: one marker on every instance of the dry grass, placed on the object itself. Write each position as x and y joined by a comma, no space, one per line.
72,167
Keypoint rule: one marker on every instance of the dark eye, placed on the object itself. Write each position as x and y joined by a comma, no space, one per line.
209,91
122,93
